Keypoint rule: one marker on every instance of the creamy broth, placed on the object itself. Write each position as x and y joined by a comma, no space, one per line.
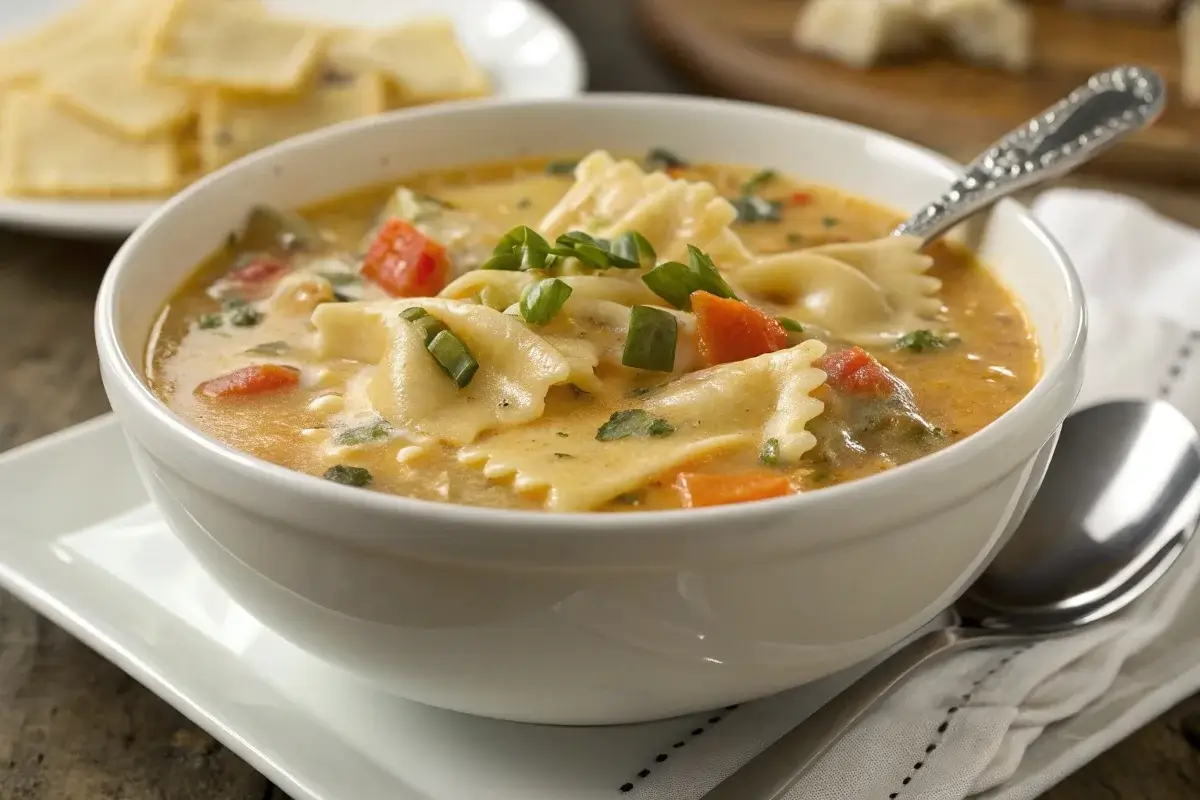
968,365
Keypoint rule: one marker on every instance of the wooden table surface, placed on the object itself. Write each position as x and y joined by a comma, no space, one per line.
73,727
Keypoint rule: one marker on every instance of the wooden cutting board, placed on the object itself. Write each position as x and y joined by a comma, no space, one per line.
743,48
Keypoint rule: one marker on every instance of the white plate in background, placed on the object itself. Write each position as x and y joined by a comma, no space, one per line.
526,50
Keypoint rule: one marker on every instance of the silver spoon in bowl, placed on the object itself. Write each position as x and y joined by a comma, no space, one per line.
1112,105
1119,502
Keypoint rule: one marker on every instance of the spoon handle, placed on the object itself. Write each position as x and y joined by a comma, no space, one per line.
774,771
1109,107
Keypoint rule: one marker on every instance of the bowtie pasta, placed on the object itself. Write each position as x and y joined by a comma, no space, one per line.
607,334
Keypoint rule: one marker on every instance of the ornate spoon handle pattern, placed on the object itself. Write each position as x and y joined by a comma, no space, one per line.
1109,107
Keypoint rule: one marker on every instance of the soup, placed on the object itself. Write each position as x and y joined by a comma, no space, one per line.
605,335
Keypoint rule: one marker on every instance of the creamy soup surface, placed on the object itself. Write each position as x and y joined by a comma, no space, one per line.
803,360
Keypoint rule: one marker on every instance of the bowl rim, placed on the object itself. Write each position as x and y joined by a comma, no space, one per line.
221,456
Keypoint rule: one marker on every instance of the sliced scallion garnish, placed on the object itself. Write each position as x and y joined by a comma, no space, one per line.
758,180
521,248
661,158
790,324
632,247
675,282
454,357
651,340
541,301
752,208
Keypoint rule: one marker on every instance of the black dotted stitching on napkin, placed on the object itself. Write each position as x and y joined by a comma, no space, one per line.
1182,356
941,729
627,787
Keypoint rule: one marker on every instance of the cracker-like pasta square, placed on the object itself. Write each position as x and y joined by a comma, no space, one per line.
114,92
232,126
50,151
426,62
205,43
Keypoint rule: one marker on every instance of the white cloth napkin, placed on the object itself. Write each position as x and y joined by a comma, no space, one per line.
964,726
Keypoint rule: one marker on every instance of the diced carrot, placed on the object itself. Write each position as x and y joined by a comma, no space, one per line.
698,489
801,198
673,172
730,330
253,379
405,262
260,270
856,371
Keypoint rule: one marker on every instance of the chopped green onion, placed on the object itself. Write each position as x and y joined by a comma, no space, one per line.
920,341
245,316
790,324
632,247
452,355
830,222
348,476
561,167
659,158
651,340
675,282
752,208
362,434
269,349
522,248
770,452
209,321
413,314
233,303
541,301
634,422
711,280
758,180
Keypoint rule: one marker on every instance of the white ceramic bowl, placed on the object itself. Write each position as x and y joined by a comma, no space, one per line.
586,618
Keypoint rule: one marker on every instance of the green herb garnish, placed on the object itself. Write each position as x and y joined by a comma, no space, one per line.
659,158
758,180
633,248
675,282
650,343
210,321
770,452
830,222
521,248
348,476
233,303
541,301
920,341
561,167
245,316
790,324
428,325
454,357
362,434
795,239
590,251
634,422
269,349
752,208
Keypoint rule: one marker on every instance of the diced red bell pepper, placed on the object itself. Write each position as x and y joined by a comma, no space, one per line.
405,262
259,271
855,371
801,198
730,330
253,379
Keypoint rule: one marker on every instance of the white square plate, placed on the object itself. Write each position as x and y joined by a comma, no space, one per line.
525,49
